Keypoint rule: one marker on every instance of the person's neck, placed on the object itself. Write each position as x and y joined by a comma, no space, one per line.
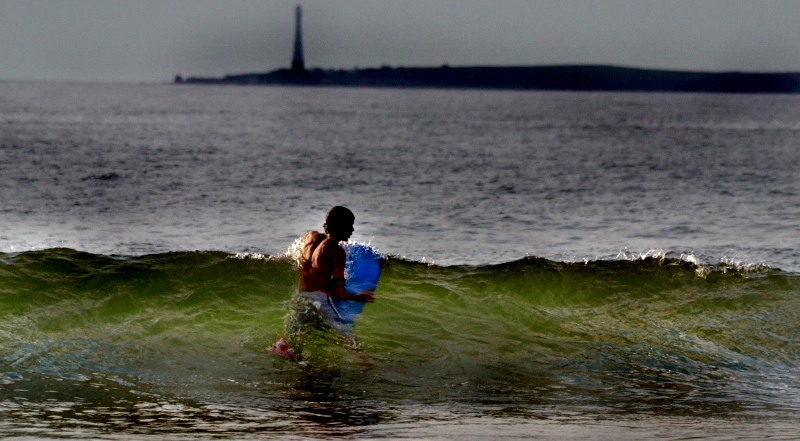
334,239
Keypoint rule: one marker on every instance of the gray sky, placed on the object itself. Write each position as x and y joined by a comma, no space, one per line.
152,40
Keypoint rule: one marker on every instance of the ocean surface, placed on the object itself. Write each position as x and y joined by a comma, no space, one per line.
559,265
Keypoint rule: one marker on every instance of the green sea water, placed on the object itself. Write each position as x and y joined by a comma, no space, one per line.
178,342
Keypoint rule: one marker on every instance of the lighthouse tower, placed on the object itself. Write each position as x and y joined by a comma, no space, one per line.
298,65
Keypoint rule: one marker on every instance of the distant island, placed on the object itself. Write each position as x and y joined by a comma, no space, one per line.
569,77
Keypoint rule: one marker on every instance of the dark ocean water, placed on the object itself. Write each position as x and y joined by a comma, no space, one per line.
561,265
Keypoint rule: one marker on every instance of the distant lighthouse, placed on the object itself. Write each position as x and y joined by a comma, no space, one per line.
298,65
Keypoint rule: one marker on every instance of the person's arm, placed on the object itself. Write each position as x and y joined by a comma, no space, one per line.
337,281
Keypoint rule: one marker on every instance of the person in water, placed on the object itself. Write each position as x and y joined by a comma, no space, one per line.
322,260
322,263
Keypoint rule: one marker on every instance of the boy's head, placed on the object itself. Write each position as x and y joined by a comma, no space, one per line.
339,223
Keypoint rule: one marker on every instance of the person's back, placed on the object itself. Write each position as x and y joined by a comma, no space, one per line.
316,268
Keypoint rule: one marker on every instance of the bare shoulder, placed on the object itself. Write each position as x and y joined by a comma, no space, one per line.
312,237
310,242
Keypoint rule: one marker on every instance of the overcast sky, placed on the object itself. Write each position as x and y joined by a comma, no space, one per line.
152,40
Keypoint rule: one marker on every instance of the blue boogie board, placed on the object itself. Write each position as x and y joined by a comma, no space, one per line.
361,271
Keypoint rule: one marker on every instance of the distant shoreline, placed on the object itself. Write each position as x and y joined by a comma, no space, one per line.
570,77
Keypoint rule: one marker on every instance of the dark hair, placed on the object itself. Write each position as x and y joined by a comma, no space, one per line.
338,216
